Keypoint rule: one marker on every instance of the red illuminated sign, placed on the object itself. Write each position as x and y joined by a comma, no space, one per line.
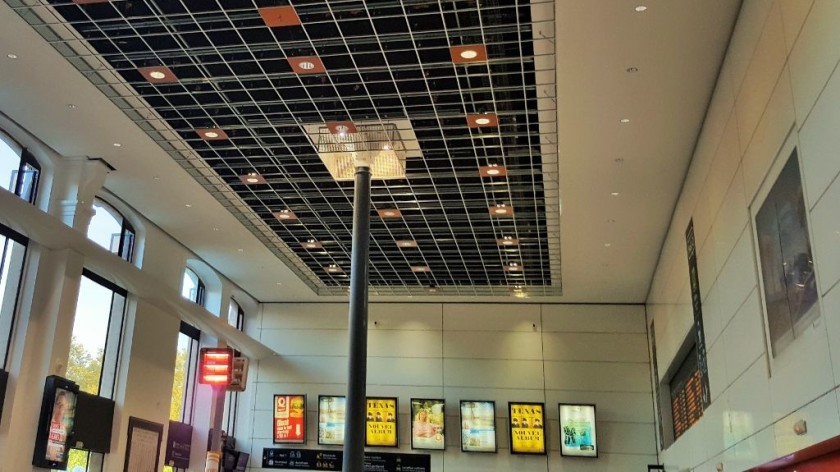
215,366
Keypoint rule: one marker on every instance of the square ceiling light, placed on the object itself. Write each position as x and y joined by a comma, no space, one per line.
279,16
468,54
501,211
378,144
389,213
483,120
307,65
252,178
285,215
507,241
492,170
158,74
211,134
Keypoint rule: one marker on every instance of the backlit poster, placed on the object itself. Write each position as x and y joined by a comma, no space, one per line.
381,422
527,431
427,421
478,426
577,431
61,424
289,419
331,412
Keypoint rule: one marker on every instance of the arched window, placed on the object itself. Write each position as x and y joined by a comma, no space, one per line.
236,315
19,171
111,230
192,288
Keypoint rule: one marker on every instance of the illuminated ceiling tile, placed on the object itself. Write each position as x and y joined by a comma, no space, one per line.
389,213
211,134
285,215
483,120
501,211
341,127
279,16
158,74
307,65
492,170
468,54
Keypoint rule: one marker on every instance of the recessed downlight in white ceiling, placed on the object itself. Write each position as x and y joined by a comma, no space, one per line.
625,120
607,244
72,106
12,56
614,194
117,145
188,205
641,8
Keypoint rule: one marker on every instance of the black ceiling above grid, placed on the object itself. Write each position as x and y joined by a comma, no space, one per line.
385,60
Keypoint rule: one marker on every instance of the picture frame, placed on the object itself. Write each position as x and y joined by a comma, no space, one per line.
527,431
578,434
142,450
478,426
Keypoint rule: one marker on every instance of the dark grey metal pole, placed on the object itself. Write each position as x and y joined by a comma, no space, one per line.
354,428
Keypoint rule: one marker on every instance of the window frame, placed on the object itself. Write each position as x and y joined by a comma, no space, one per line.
788,354
126,229
200,288
25,158
13,235
113,362
190,378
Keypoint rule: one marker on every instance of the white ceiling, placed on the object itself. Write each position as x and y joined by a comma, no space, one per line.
677,47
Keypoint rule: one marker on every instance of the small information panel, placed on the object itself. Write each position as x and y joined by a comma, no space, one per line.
314,459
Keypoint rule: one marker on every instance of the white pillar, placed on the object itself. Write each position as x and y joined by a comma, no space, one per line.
77,181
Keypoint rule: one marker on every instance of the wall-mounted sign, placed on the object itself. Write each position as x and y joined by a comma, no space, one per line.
178,445
427,422
290,419
577,431
527,430
313,459
478,426
331,412
381,424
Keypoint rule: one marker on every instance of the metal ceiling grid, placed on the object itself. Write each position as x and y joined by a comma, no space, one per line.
385,60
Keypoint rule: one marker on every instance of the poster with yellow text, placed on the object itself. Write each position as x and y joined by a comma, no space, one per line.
381,424
527,431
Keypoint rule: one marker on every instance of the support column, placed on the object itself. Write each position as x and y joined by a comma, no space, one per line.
77,181
354,428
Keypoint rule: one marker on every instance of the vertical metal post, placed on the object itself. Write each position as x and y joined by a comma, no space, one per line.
354,428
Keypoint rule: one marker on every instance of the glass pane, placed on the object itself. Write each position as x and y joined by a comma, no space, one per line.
105,227
182,360
90,331
9,165
28,183
189,287
12,256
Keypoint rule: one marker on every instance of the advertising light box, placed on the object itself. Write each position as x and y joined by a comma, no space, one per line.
290,419
381,424
331,414
427,424
478,426
527,431
577,431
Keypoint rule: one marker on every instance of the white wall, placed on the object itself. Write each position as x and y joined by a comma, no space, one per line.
778,88
500,352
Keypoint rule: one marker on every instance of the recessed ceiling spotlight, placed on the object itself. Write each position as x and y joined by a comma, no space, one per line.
507,241
307,65
501,210
72,106
12,56
615,194
513,267
158,74
240,250
407,243
468,54
312,244
625,120
641,8
211,134
632,70
285,215
389,213
483,120
334,269
420,269
117,145
492,170
607,244
188,205
252,178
